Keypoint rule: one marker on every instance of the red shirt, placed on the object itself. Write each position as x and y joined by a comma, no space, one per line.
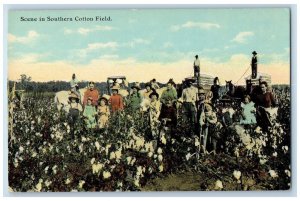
266,100
91,93
116,102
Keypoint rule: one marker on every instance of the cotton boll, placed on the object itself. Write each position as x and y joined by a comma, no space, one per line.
106,174
273,174
218,185
237,174
160,157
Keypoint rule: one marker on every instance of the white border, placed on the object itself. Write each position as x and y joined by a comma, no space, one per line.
212,3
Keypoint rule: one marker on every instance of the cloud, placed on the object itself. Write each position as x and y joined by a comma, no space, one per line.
99,69
96,46
167,45
86,31
197,25
137,41
242,37
31,35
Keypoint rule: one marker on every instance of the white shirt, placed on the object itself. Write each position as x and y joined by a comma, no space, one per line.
197,62
189,95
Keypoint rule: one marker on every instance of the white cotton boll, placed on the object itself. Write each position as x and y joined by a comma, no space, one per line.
67,181
34,154
161,168
118,154
155,156
197,143
27,143
38,187
274,154
21,149
288,173
48,183
237,174
97,145
159,151
112,155
150,170
106,174
218,185
133,161
150,154
160,157
80,184
92,161
54,169
188,156
137,182
120,184
128,159
83,139
273,174
163,139
97,168
80,148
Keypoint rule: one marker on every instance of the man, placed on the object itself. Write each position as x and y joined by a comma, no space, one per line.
189,97
196,67
169,93
135,99
74,85
254,65
154,84
93,93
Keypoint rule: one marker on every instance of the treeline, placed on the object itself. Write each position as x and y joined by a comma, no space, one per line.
51,86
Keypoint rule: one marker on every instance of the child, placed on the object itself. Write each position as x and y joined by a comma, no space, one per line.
103,112
154,111
208,123
116,100
248,112
89,113
74,111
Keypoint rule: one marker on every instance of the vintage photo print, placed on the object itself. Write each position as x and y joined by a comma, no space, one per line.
149,100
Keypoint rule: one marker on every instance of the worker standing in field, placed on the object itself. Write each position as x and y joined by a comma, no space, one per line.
196,67
116,100
93,93
254,65
169,93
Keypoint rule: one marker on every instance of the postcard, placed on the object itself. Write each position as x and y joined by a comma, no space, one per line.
149,100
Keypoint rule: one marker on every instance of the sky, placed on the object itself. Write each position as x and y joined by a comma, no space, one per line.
142,44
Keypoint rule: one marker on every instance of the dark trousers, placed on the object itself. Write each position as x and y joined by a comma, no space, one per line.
254,71
189,115
196,71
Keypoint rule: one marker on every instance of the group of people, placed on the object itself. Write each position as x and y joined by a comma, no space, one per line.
197,104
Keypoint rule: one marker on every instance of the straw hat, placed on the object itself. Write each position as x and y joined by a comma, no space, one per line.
135,85
115,88
154,93
104,97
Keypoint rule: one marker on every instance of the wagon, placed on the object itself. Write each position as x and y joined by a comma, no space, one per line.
119,81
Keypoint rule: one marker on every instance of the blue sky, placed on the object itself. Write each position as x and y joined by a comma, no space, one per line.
150,36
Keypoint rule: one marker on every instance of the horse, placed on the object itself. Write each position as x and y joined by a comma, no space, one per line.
234,92
62,98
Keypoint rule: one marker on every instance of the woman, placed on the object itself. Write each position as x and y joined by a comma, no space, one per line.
264,101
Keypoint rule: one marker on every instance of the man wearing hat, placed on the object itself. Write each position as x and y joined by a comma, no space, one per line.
154,84
93,93
74,85
254,65
135,99
154,112
196,66
116,100
169,93
189,97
